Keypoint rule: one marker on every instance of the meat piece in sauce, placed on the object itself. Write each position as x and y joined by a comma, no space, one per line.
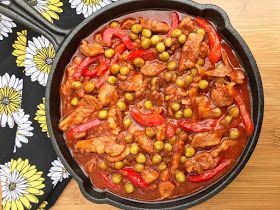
133,83
145,142
149,175
120,157
114,119
222,147
88,49
221,94
108,95
206,139
153,68
178,149
166,189
155,26
186,25
204,107
190,51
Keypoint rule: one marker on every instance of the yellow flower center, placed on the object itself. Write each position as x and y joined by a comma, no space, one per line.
12,186
44,58
91,2
9,100
32,2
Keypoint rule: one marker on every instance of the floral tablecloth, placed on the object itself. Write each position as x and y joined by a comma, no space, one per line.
32,176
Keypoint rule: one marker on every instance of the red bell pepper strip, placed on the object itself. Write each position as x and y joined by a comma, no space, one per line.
249,125
208,174
83,127
119,33
134,177
82,66
175,23
171,129
214,40
145,54
120,48
99,70
152,119
202,126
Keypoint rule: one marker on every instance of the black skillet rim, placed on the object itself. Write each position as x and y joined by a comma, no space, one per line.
205,193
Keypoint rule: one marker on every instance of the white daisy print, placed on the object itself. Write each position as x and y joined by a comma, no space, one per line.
57,172
39,57
10,99
6,2
24,129
21,184
47,8
6,25
87,7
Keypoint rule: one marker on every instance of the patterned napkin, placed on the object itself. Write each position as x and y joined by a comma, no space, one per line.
32,176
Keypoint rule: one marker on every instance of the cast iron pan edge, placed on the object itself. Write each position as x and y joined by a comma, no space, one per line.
67,49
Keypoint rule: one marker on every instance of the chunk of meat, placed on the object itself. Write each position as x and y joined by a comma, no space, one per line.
145,142
155,26
149,175
206,139
90,49
221,95
108,95
200,162
104,143
120,157
153,68
224,146
190,51
204,48
114,119
220,71
186,25
176,93
165,175
204,107
132,83
85,108
178,149
127,23
166,189
161,132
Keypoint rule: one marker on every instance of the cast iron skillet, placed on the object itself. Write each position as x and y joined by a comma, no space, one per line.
67,41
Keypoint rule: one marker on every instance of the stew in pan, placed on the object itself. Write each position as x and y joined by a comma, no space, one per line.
155,105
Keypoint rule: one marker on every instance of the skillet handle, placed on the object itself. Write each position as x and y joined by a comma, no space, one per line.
21,12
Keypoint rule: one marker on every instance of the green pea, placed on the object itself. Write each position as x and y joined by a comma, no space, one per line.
115,68
168,42
182,39
103,165
146,33
167,76
203,84
156,159
148,104
129,187
114,24
162,166
158,145
233,111
171,65
200,31
234,133
150,132
179,114
119,165
189,152
134,149
226,120
146,43
187,112
127,122
129,96
193,72
141,158
183,159
180,176
116,178
136,28
103,114
188,79
217,111
77,85
180,83
175,106
164,56
112,80
155,39
200,62
139,62
176,33
128,138
124,70
74,101
133,36
109,53
160,47
89,87
139,167
121,105
168,147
